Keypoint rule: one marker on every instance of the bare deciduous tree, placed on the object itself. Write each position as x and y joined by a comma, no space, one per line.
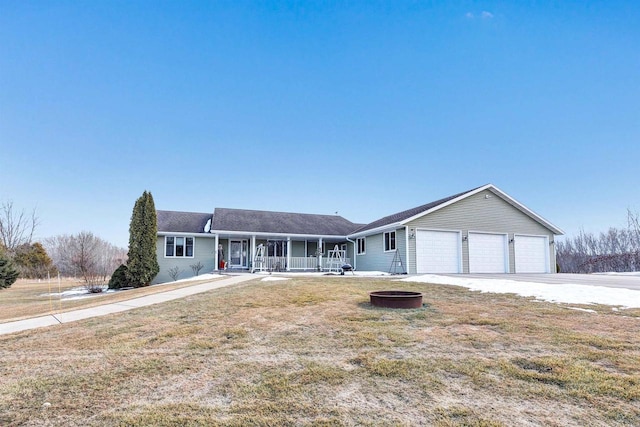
85,255
615,250
16,227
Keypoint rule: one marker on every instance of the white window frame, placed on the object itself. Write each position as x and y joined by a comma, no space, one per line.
193,246
386,237
362,240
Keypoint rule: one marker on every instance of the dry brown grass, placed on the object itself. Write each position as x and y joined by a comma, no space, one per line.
312,351
31,298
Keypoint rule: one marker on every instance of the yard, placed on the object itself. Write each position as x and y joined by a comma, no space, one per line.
30,298
312,351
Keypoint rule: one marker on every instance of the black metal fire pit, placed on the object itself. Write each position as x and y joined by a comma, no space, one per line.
396,299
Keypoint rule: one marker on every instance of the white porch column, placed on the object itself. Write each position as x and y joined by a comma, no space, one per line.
306,254
216,260
320,253
253,253
288,253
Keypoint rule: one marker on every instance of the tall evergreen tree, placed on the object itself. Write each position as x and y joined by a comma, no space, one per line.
8,273
33,261
142,265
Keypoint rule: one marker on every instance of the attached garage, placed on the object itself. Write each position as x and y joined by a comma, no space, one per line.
438,251
531,254
488,253
482,230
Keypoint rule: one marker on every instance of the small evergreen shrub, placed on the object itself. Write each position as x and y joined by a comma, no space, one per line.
8,273
119,278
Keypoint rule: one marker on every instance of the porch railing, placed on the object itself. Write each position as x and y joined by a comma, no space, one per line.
274,263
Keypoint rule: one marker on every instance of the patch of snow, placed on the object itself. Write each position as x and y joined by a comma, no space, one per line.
274,279
324,273
76,293
566,293
208,276
582,309
622,273
369,273
207,226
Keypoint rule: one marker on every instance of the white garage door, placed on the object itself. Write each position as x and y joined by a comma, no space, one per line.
437,251
488,253
532,254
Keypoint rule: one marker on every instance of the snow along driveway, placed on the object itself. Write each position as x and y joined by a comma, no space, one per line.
561,288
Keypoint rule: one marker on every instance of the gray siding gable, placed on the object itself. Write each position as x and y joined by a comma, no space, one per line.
486,211
404,217
409,213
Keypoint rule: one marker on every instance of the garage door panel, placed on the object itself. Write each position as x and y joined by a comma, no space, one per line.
532,254
488,253
437,251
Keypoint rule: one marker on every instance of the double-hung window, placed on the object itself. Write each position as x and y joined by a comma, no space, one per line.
389,241
360,242
176,246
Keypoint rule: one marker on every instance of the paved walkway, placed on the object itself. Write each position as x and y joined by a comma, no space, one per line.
117,307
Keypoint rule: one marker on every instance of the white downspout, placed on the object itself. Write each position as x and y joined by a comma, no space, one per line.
355,254
406,247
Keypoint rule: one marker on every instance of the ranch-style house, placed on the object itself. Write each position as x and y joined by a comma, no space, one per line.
483,230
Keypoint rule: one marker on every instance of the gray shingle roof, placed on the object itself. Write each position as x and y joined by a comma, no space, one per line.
182,222
281,222
401,216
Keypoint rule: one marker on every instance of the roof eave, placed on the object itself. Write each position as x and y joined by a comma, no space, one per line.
376,230
184,233
273,234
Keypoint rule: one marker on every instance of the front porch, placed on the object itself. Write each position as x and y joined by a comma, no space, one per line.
257,253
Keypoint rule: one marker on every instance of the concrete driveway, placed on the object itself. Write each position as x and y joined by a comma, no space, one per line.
607,280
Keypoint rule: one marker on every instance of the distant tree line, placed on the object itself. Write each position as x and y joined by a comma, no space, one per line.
616,250
81,255
85,256
17,254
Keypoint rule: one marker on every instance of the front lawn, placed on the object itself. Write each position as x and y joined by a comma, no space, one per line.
32,298
312,351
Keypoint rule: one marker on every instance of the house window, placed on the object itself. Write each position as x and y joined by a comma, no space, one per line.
178,247
390,241
361,245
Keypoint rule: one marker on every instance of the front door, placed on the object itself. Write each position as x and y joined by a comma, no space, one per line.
238,253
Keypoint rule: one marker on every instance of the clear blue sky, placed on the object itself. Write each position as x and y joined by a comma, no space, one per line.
364,108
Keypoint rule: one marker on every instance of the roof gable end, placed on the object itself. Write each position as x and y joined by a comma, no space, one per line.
404,217
513,202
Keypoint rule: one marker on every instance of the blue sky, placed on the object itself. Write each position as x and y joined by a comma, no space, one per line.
360,108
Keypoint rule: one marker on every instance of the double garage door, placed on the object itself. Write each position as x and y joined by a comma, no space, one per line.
441,252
